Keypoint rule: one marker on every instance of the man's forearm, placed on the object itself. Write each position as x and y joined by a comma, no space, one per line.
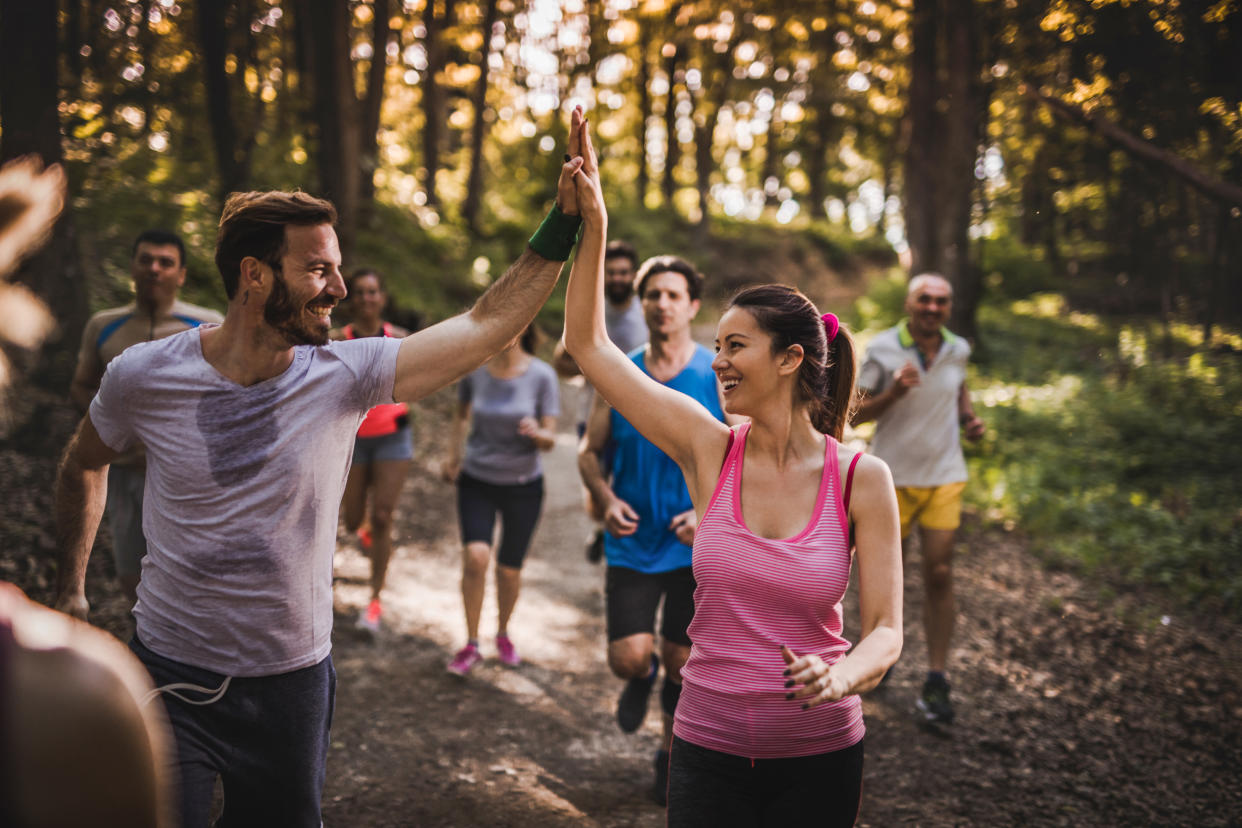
80,496
592,475
511,303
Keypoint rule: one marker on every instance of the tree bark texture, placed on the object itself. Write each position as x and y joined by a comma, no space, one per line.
642,182
434,114
945,120
672,154
336,106
29,118
373,102
478,129
232,160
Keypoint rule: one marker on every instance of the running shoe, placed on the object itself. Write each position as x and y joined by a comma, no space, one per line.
464,661
364,537
507,652
934,703
659,788
595,546
369,619
632,706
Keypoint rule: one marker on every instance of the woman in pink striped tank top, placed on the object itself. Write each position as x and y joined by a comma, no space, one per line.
769,725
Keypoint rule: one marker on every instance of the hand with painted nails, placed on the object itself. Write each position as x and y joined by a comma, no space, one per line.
819,684
590,194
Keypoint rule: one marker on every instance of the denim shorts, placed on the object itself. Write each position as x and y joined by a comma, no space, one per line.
395,446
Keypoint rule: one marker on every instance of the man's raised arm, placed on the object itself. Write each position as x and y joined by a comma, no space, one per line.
434,357
81,488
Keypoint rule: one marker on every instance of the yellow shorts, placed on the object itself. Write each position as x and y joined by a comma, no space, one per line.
934,507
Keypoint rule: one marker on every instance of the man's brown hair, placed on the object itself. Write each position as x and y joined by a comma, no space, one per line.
253,224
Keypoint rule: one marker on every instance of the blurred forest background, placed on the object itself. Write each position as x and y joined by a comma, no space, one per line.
1073,166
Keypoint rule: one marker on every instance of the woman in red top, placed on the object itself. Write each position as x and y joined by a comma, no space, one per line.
382,451
768,728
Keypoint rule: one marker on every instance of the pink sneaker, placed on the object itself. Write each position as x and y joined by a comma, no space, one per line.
370,618
507,652
464,661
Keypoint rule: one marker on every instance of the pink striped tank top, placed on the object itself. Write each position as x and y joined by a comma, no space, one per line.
753,595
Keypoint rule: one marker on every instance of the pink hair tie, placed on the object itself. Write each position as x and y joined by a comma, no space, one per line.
831,325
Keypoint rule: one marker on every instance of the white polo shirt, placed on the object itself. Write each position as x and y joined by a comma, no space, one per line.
919,435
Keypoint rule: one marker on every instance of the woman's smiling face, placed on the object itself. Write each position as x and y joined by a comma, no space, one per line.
744,363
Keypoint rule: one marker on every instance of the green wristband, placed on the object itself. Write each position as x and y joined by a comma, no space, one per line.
555,238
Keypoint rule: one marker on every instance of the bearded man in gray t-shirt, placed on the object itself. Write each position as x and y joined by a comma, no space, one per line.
249,429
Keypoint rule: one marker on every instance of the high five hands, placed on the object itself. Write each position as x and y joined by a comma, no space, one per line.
578,191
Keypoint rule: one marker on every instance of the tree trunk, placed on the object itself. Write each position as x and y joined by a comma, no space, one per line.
718,83
672,153
945,118
767,169
336,105
433,96
231,163
372,103
960,152
29,117
642,181
474,183
920,149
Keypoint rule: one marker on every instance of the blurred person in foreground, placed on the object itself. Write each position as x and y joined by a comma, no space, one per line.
77,744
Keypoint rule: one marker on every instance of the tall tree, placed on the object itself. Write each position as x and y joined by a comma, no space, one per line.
643,82
373,100
945,116
336,106
474,184
232,149
435,23
29,118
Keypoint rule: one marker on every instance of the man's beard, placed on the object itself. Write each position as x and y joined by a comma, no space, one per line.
280,312
618,292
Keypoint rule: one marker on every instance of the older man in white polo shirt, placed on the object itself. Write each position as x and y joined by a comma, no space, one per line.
913,382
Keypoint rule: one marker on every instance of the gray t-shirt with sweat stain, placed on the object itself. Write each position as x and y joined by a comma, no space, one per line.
243,488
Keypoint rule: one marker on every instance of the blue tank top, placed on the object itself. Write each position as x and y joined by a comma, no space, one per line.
649,480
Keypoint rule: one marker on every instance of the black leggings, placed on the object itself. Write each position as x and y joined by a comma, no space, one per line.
518,505
711,789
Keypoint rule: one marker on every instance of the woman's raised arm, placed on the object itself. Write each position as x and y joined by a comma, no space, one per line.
680,426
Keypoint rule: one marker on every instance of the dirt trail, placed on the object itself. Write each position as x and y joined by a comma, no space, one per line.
1072,711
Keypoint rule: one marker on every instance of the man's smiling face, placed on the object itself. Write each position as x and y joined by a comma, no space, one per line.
306,286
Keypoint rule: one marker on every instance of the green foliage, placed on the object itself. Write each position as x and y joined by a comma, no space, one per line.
1114,461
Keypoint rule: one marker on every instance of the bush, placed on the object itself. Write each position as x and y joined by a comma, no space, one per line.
1115,462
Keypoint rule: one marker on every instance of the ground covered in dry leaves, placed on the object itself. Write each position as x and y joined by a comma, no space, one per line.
1072,710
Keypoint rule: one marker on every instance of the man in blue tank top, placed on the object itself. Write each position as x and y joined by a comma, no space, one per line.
646,508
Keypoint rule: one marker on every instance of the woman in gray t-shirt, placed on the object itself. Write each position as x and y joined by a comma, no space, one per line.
508,408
